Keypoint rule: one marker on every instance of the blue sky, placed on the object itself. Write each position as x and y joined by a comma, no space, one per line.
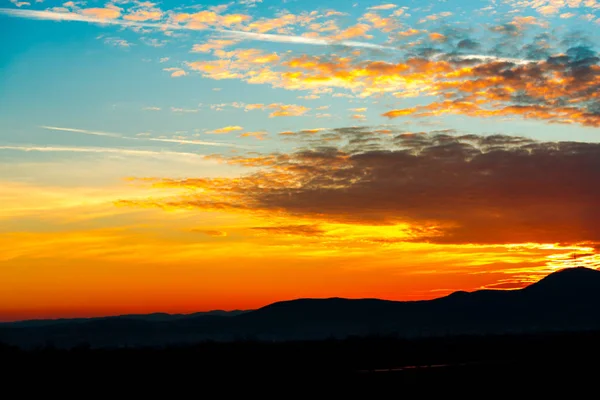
124,80
106,77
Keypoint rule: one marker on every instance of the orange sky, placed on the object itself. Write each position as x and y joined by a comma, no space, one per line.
71,262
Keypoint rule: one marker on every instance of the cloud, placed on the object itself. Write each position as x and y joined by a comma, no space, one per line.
153,42
334,13
212,44
388,6
312,131
144,15
448,188
340,39
226,129
278,23
119,136
213,233
381,23
558,89
276,109
101,150
287,110
84,131
102,13
117,42
260,135
437,37
553,7
18,3
176,72
199,142
102,17
249,3
352,32
184,110
435,17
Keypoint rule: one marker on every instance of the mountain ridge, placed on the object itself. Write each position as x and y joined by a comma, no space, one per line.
564,300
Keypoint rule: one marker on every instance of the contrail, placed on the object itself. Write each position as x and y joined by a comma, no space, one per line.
119,136
263,37
95,133
100,150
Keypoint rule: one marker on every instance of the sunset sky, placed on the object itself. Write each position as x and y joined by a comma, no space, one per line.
180,157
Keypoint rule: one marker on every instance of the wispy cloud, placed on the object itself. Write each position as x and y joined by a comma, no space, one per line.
175,72
265,37
100,150
200,142
84,131
119,136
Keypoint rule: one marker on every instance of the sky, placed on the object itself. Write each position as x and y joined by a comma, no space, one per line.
190,156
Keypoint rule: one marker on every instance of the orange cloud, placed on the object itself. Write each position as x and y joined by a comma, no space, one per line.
278,109
212,44
261,135
226,129
560,89
176,72
434,17
353,32
381,23
287,110
254,106
234,19
437,37
523,21
311,131
209,18
266,25
102,13
409,32
563,115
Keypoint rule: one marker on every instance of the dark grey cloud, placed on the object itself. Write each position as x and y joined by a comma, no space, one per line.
476,189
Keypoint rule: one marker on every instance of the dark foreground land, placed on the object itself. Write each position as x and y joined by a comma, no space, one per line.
492,363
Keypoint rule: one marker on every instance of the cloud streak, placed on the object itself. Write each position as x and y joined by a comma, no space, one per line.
100,150
119,136
84,131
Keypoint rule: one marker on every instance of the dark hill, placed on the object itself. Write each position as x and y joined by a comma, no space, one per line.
566,300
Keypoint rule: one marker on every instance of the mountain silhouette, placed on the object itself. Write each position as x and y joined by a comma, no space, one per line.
567,300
